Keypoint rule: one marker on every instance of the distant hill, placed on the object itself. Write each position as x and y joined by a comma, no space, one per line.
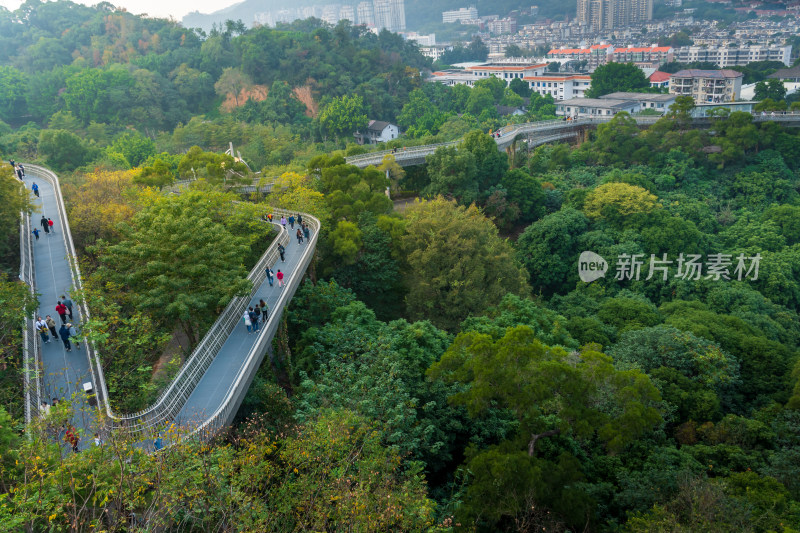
418,12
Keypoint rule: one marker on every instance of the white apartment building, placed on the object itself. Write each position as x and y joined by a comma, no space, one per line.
347,13
366,15
560,86
390,14
504,71
464,13
707,86
733,56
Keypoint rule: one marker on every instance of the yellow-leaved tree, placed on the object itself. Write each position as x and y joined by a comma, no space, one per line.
620,204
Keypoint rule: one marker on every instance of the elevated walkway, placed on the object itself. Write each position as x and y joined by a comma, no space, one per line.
207,392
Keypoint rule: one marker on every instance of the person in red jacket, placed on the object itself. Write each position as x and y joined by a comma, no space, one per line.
279,275
61,309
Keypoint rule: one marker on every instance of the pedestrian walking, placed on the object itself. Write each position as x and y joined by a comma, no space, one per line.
61,309
283,221
299,236
158,443
97,440
45,409
50,223
51,325
306,232
269,217
41,327
282,250
270,276
65,337
66,301
73,335
35,233
279,275
45,225
253,319
19,175
299,219
22,169
264,309
35,189
71,436
11,162
247,321
291,221
257,310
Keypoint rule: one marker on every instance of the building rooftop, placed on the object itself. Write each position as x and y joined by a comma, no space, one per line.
502,67
596,102
793,72
644,49
658,76
651,97
377,125
715,74
555,76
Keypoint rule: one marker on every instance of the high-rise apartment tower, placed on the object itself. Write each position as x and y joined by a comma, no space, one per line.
611,14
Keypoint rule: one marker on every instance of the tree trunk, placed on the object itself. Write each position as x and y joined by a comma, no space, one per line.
537,436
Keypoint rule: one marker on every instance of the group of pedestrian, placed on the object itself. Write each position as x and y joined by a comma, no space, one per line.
67,330
19,170
254,315
302,232
47,226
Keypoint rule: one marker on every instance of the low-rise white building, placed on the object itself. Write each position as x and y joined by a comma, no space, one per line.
594,107
560,86
503,71
377,131
656,102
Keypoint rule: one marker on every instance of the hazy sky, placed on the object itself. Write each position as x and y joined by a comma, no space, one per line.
155,8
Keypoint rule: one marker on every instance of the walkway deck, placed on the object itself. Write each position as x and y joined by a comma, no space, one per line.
66,372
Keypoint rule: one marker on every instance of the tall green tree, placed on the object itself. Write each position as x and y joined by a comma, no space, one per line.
457,265
343,115
179,261
616,77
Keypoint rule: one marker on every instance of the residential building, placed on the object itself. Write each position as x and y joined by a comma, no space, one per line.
648,56
594,107
501,26
659,80
731,56
366,15
508,71
595,55
707,86
504,71
656,102
464,13
330,13
435,51
347,12
790,75
377,131
390,14
560,86
611,14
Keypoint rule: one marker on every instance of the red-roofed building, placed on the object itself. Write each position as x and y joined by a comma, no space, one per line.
648,56
660,79
595,55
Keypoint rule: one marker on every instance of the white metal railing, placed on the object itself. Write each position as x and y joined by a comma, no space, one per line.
173,399
31,356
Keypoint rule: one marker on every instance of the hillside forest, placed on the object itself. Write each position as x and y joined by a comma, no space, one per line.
443,366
